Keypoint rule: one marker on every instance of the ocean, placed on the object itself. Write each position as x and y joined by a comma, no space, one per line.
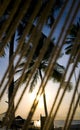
57,123
60,123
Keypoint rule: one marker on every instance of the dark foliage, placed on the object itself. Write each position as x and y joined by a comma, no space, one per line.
71,39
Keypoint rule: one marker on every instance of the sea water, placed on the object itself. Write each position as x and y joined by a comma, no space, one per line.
57,123
60,123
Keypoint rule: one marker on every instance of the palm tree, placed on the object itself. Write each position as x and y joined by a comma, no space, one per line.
70,41
58,71
39,73
21,27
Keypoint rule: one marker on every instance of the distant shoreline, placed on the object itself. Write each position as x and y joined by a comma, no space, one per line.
58,125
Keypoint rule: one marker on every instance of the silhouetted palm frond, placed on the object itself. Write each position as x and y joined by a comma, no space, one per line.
75,28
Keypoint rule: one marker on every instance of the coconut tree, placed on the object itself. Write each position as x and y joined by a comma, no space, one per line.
21,27
70,41
40,71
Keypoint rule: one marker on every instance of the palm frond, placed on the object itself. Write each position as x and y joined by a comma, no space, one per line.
69,87
56,76
34,81
58,72
24,79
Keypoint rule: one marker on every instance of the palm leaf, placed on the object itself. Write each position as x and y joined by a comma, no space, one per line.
34,81
70,85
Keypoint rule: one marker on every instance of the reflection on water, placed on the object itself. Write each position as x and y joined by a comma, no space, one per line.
60,123
37,123
57,123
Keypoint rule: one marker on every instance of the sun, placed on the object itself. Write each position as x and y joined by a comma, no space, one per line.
33,96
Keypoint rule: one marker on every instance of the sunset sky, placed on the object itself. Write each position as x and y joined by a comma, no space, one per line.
28,98
51,88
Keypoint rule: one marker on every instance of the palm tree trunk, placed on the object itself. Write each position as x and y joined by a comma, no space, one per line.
44,98
45,108
45,104
11,87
